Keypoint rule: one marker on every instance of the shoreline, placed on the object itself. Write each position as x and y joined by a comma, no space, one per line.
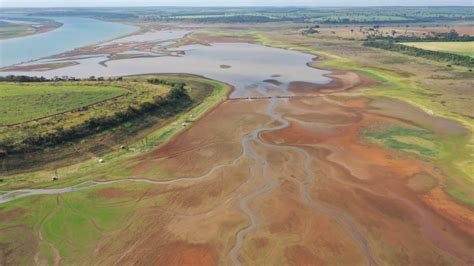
37,30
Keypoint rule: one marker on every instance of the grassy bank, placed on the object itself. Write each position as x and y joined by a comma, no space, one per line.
206,94
24,102
52,113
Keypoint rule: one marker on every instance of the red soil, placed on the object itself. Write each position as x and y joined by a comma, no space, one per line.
299,255
187,254
340,81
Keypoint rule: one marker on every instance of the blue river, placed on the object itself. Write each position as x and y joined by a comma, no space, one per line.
74,33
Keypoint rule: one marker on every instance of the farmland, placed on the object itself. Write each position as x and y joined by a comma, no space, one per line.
24,102
77,104
461,48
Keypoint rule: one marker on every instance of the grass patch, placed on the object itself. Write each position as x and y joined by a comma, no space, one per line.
23,102
418,141
74,222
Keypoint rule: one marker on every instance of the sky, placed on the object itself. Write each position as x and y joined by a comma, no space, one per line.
96,3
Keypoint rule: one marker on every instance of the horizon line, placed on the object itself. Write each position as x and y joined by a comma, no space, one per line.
246,6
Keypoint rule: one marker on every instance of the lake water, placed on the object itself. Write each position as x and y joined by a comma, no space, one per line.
246,65
75,32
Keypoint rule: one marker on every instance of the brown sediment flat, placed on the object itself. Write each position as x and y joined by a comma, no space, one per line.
367,186
422,183
113,193
408,112
300,255
225,66
187,254
460,215
11,214
215,139
340,81
115,48
113,57
260,242
40,67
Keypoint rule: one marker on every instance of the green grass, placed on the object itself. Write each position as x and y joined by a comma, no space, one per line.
460,48
411,140
24,102
74,222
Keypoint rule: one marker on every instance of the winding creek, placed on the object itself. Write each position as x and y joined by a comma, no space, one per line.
259,165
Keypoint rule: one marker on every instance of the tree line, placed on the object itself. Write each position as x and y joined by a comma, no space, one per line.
23,78
451,36
454,59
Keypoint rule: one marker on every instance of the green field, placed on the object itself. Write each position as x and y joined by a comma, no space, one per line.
143,133
70,224
23,102
411,140
460,48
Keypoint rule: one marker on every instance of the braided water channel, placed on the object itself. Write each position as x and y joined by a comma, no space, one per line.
260,167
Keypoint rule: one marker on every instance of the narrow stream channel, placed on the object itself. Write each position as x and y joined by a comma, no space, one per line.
345,221
259,164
